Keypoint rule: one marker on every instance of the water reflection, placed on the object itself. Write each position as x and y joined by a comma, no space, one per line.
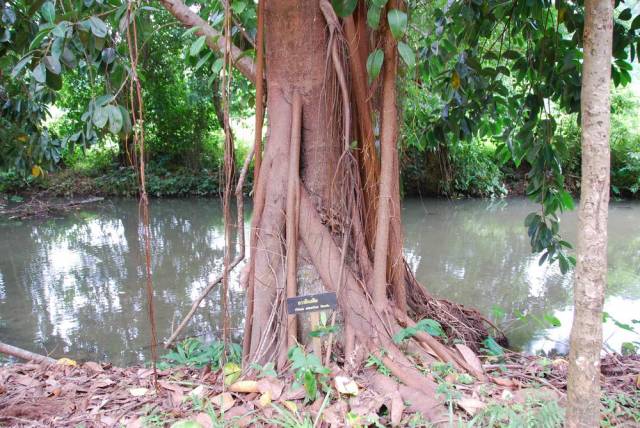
477,253
75,285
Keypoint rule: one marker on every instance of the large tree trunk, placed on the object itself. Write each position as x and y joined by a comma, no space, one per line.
591,269
335,204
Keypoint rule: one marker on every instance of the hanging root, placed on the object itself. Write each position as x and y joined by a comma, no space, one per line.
239,257
292,218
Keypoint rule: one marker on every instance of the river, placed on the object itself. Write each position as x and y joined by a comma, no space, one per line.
74,285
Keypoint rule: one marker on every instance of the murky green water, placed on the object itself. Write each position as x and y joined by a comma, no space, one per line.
74,286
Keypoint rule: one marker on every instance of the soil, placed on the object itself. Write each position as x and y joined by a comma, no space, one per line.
99,395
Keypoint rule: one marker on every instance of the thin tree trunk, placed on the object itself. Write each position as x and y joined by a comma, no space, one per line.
591,269
388,144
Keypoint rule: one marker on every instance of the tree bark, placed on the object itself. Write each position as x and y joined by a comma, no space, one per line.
591,268
215,41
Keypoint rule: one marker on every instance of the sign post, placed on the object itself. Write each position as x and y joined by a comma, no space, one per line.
312,304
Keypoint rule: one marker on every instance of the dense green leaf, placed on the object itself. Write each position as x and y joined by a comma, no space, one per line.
100,116
40,73
238,6
20,66
373,17
407,54
397,22
625,15
53,64
108,55
344,8
98,27
48,12
197,46
115,119
374,63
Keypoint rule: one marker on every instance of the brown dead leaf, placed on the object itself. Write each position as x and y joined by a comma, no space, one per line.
397,408
638,381
471,358
103,382
224,401
204,420
503,381
25,380
144,373
265,399
346,385
177,397
272,386
93,366
239,416
171,386
199,391
471,405
294,394
135,423
138,392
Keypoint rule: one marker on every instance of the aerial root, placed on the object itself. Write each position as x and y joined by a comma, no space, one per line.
239,257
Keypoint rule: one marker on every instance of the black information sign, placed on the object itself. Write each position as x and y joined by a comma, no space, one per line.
311,303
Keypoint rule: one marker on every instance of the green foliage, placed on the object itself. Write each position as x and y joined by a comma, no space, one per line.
289,419
497,68
620,409
426,325
309,372
534,414
374,64
267,370
192,352
491,347
374,361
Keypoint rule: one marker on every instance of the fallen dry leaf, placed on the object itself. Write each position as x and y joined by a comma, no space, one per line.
265,399
346,385
198,391
138,392
224,401
93,366
25,380
503,381
171,386
293,407
471,405
471,358
397,408
103,382
272,386
204,420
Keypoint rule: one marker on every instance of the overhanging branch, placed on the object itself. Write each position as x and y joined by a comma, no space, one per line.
215,40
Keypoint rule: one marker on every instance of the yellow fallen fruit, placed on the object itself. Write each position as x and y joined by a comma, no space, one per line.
245,386
66,362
